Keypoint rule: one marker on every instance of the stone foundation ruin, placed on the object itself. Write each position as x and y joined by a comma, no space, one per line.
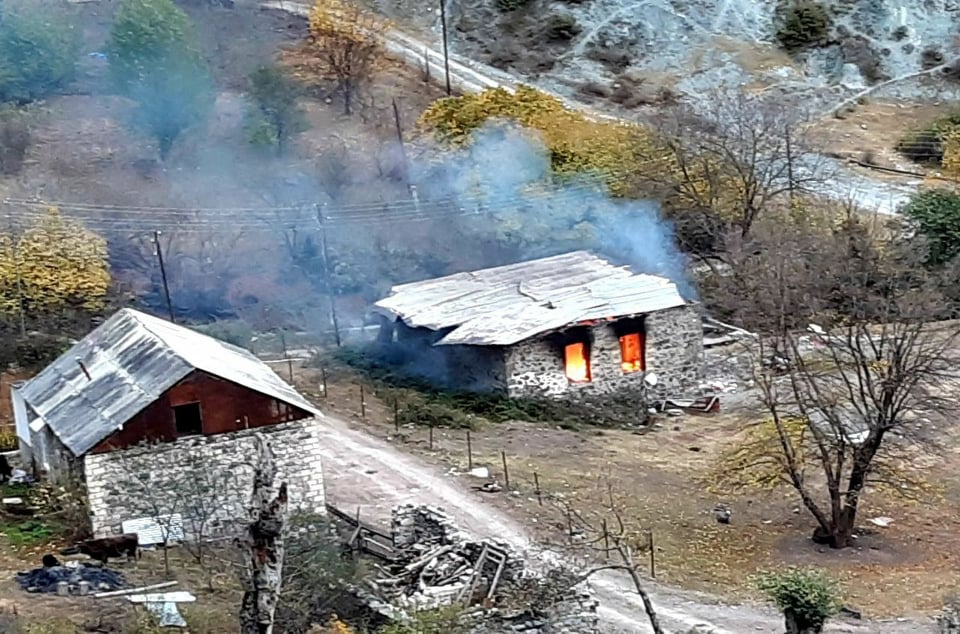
436,566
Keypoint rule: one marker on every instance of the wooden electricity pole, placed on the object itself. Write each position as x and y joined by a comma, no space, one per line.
16,269
163,275
446,54
326,275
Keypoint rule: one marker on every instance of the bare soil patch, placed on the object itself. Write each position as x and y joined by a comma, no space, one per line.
871,132
659,475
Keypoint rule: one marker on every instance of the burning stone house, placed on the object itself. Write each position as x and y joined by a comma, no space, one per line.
564,326
141,403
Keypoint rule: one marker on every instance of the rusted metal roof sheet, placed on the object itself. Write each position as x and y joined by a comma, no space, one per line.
133,358
507,304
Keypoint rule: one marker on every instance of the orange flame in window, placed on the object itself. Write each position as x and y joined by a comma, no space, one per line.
576,364
631,353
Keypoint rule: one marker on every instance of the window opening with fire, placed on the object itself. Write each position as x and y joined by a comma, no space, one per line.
576,362
632,353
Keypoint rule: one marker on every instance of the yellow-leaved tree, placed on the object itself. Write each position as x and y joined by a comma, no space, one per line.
951,154
348,42
55,264
612,150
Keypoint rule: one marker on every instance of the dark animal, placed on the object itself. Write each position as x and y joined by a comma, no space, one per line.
49,561
105,548
5,469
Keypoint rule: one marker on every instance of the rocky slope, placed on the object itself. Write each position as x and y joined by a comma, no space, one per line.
692,46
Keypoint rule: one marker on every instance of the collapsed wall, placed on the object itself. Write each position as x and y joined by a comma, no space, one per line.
437,565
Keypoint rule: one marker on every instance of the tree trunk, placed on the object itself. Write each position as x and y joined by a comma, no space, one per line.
797,625
347,96
264,546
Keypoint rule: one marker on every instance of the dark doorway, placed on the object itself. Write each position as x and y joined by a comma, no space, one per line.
188,419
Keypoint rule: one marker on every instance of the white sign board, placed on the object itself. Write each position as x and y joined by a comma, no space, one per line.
152,530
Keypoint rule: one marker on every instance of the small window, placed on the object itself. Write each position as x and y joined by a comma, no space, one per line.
188,419
576,363
631,353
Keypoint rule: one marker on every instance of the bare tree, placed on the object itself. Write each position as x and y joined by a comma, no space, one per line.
843,397
264,545
162,481
735,154
611,535
348,43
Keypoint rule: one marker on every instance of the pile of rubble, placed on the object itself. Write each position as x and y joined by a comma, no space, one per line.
79,579
435,565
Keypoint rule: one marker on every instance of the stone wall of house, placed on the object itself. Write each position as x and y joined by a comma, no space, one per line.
206,479
674,352
51,460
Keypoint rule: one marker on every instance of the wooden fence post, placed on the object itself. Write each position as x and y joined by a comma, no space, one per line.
363,403
506,471
323,380
606,541
653,557
396,415
431,436
536,484
469,452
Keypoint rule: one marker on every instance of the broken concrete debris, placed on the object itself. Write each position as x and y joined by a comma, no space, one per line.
436,565
48,579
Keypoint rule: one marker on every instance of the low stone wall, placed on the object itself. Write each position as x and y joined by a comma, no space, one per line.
206,479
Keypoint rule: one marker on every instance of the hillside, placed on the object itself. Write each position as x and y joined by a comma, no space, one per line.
692,46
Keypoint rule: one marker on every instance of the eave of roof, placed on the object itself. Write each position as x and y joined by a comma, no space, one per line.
505,305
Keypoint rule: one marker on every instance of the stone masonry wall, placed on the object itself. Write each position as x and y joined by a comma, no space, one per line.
674,351
202,477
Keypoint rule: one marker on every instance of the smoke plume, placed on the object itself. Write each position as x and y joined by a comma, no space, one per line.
509,195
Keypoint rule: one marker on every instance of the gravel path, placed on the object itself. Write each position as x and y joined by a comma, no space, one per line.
364,471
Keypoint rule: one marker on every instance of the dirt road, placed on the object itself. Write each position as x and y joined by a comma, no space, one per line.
365,471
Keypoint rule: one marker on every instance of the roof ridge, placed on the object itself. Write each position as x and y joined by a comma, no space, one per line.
135,315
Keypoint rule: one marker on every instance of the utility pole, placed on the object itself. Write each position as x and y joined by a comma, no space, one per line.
790,183
163,276
16,269
403,149
446,54
326,275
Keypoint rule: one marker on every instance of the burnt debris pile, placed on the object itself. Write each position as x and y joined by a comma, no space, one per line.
436,565
48,579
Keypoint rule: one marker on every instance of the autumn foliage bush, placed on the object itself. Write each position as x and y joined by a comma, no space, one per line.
54,265
577,144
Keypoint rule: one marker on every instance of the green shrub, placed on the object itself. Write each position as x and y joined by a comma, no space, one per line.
14,140
426,413
37,350
561,27
936,213
806,23
232,331
511,5
806,597
38,55
925,145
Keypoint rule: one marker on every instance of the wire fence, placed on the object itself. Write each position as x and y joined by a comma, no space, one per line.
477,455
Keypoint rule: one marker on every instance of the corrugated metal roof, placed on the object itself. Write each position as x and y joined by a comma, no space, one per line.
132,359
507,304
